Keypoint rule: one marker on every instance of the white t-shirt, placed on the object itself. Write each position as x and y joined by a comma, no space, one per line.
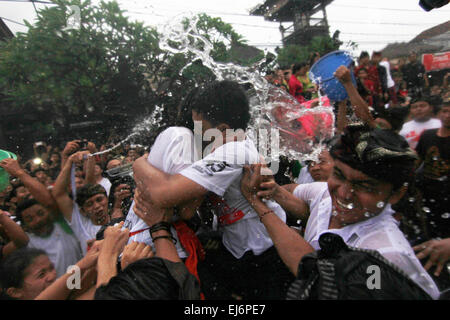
172,151
82,227
221,172
412,130
63,249
380,233
390,81
105,183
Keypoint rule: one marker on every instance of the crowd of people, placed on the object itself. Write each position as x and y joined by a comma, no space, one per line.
138,223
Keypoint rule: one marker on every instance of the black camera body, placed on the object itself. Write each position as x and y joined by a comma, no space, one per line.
429,5
83,144
122,175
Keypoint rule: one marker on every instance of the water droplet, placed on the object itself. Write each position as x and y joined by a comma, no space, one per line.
426,209
432,200
299,221
411,199
367,215
380,204
445,215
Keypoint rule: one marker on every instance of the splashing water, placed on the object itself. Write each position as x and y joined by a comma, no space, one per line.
302,130
279,125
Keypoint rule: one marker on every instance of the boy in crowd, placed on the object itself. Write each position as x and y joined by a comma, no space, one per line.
54,237
434,152
422,114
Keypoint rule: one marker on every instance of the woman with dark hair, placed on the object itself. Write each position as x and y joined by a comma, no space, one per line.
25,273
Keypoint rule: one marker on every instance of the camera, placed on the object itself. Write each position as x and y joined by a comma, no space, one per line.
429,5
122,175
40,147
83,144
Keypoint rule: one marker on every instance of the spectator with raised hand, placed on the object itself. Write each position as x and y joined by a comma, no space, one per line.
88,212
32,185
11,231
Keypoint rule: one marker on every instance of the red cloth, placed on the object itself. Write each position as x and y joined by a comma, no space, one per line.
193,247
296,89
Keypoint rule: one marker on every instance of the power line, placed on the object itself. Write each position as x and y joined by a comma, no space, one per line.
13,21
28,1
375,8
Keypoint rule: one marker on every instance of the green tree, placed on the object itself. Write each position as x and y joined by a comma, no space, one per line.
292,54
106,65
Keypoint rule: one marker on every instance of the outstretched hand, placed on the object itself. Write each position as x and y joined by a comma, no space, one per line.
437,250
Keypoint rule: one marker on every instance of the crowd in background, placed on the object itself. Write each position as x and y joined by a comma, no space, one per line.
61,200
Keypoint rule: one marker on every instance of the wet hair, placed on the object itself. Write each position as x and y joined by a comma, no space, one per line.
87,191
339,272
150,279
184,114
24,205
12,268
223,102
381,154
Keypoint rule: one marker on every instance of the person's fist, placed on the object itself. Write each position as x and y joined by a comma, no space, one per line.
343,74
12,167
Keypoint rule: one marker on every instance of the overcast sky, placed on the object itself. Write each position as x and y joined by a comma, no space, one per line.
370,23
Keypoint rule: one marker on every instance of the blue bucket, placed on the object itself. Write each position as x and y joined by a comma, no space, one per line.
322,73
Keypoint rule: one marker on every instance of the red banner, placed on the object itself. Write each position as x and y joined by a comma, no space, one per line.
436,61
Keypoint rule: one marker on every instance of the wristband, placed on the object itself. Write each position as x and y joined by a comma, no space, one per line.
262,215
165,237
160,226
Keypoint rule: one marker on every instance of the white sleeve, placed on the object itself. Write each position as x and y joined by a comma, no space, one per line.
309,191
217,171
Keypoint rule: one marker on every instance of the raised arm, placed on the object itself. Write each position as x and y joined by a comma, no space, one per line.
59,290
60,190
284,198
164,190
17,237
290,245
361,108
37,189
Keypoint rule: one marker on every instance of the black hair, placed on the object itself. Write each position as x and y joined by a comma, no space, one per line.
443,105
145,279
364,54
223,102
312,57
395,116
12,268
23,205
87,191
381,154
297,67
184,111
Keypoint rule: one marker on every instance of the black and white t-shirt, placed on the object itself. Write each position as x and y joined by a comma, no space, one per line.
172,151
221,173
